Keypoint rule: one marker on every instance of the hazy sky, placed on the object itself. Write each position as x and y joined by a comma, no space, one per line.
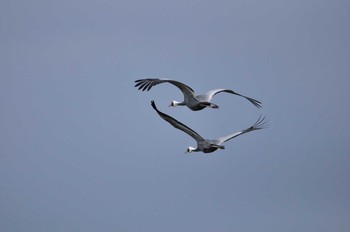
82,150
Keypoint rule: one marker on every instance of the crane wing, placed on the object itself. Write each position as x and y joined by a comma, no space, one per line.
147,84
178,124
213,92
261,123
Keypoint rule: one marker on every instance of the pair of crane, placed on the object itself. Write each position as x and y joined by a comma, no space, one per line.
195,103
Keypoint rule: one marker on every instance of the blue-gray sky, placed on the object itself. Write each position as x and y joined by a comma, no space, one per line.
82,150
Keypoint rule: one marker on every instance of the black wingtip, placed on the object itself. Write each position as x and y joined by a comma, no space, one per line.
153,104
144,84
138,82
261,123
254,102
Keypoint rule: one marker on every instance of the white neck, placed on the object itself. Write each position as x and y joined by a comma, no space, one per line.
176,103
191,149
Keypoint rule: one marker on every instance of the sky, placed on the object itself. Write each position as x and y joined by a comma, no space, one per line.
82,149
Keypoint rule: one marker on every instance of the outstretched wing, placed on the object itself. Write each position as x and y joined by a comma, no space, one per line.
261,123
147,84
213,92
178,124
